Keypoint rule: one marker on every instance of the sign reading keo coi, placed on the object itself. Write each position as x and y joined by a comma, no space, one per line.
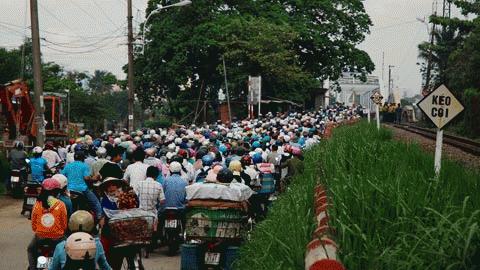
441,106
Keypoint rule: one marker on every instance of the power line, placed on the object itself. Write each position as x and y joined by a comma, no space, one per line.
56,18
103,12
80,46
80,52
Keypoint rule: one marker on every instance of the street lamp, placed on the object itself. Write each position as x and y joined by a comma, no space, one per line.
159,8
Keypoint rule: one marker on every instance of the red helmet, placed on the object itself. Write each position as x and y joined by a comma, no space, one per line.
50,184
246,160
183,153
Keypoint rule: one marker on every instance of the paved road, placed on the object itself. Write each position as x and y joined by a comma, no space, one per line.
16,233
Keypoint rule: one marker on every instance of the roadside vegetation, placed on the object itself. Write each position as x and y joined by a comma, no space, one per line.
389,210
279,241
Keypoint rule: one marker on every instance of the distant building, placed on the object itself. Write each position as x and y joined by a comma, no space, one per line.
355,91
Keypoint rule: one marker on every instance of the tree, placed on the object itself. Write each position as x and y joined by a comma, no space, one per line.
294,45
102,81
450,34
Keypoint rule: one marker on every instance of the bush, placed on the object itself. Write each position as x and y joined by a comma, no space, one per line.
471,99
158,123
389,210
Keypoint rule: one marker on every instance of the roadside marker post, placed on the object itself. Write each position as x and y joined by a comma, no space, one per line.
441,106
377,99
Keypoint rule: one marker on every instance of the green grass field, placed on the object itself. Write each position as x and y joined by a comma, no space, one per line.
389,210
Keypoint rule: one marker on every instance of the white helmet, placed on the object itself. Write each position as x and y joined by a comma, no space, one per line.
80,246
61,179
117,141
175,167
152,132
178,141
101,152
37,150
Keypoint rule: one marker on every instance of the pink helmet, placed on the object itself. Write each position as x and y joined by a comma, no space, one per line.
296,151
51,184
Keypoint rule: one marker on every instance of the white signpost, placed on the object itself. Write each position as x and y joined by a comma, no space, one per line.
254,93
441,106
377,99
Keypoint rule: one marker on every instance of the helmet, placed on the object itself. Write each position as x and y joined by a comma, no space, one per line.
223,149
246,160
81,221
37,150
256,144
81,133
296,151
225,176
175,167
50,184
80,246
151,151
207,160
19,145
235,166
101,152
182,153
257,158
62,180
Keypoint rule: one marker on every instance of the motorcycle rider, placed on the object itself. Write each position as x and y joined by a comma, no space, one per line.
64,195
77,174
38,165
17,159
80,221
81,250
49,219
50,155
151,196
112,167
174,188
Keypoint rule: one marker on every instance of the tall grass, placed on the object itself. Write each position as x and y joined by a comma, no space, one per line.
279,241
389,210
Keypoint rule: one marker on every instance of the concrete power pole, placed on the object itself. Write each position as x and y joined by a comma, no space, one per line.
131,86
37,75
390,84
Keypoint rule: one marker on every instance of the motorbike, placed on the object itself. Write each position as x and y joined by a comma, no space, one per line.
31,192
17,182
45,250
173,229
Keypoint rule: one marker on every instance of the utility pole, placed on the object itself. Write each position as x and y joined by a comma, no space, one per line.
226,90
37,75
390,83
131,86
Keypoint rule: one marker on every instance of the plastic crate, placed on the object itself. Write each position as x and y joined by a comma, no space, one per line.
189,257
231,254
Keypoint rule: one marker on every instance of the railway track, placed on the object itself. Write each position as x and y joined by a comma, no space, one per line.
464,144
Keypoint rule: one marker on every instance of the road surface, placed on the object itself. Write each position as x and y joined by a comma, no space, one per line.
16,233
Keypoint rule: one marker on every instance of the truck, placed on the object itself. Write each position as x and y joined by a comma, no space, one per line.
17,115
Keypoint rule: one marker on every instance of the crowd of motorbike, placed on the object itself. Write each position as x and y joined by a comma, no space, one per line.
107,202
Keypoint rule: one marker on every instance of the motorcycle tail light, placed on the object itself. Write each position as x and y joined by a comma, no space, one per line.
210,246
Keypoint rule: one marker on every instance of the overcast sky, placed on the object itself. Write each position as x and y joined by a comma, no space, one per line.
91,34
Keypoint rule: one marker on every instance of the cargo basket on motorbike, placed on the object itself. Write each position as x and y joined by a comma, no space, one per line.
130,227
205,223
